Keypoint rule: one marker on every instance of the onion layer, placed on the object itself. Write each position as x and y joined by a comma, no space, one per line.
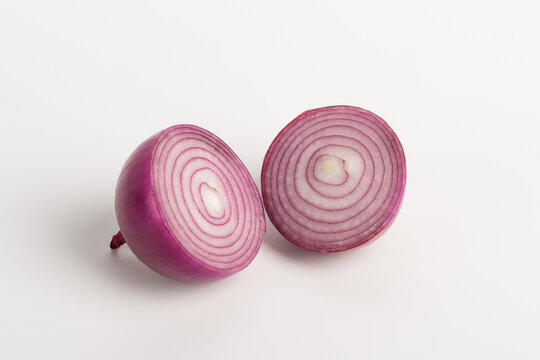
188,207
333,178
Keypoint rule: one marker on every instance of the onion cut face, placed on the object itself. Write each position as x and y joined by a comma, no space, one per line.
188,207
333,178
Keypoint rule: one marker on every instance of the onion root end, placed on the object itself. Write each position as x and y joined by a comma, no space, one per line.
117,241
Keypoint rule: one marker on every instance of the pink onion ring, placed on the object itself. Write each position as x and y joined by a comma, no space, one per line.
333,178
188,207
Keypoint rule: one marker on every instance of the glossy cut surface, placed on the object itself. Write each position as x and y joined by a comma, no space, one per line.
333,178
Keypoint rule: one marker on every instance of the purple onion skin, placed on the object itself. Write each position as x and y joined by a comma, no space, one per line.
269,191
144,228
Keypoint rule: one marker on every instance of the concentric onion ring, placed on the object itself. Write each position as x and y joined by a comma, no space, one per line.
333,179
207,212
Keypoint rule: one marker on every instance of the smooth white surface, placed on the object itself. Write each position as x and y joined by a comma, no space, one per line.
82,83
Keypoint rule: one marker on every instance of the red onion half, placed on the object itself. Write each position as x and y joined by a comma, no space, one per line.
188,207
333,178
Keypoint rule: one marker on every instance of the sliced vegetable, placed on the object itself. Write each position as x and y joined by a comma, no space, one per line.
333,178
188,207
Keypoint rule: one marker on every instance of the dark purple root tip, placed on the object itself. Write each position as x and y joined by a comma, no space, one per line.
117,241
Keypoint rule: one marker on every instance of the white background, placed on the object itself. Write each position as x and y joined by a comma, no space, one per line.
82,83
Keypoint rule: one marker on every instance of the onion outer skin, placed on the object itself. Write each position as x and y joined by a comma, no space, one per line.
145,229
269,184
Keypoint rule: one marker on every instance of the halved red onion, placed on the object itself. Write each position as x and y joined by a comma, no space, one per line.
333,178
188,207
